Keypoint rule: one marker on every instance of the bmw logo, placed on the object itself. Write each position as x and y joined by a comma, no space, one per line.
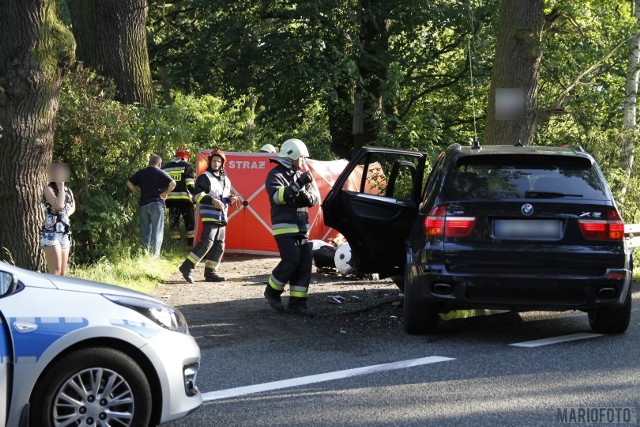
527,209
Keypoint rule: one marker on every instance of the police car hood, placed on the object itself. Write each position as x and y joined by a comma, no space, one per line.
80,285
40,280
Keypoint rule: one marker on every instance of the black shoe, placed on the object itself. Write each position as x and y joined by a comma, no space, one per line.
214,277
186,273
301,309
274,300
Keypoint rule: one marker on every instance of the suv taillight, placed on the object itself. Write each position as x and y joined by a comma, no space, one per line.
438,224
611,228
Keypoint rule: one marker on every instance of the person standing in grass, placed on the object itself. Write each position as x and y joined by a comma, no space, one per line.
152,185
59,205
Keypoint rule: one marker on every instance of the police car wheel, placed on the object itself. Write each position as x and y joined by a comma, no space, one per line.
94,386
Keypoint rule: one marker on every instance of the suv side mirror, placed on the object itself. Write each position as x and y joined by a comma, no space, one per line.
8,283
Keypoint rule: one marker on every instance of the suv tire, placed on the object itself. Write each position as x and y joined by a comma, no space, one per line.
611,320
420,318
398,281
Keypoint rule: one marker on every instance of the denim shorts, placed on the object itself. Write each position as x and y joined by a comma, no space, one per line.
52,238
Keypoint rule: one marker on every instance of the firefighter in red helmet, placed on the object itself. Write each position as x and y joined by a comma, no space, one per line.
213,196
179,200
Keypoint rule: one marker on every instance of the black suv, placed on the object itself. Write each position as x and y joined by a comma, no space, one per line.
496,227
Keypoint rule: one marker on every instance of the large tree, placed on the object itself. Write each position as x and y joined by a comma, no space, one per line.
112,38
629,142
515,72
34,50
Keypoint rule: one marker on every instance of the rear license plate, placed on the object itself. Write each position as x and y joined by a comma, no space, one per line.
539,229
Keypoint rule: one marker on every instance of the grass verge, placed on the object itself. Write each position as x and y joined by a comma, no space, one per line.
138,272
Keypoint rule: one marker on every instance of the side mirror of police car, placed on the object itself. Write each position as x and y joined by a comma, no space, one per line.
8,283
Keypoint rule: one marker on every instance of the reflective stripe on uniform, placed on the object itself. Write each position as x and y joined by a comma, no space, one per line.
298,292
211,264
189,181
210,214
285,228
275,283
278,196
191,234
179,195
198,197
193,258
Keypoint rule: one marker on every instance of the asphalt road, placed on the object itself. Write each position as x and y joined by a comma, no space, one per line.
480,379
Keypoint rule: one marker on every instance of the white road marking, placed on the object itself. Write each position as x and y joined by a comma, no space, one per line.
329,376
555,340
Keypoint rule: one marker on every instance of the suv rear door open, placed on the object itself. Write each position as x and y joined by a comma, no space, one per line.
374,204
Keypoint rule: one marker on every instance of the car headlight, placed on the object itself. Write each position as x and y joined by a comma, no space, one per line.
163,314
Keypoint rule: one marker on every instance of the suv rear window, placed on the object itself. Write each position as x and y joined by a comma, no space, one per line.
523,176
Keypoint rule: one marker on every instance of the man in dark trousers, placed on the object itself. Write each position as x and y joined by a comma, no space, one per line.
290,194
179,200
213,196
152,185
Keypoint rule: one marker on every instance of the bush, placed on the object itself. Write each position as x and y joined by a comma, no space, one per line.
105,142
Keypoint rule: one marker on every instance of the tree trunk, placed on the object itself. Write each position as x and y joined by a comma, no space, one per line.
34,49
627,154
358,114
112,38
373,66
515,73
341,119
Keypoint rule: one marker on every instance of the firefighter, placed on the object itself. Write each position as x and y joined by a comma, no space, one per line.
179,201
268,148
212,194
290,194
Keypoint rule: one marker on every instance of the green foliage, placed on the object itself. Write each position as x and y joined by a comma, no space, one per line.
239,74
105,142
138,272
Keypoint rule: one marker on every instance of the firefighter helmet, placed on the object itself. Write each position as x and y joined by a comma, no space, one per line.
293,148
183,153
217,152
268,148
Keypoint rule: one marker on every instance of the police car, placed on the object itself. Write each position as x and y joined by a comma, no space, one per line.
74,352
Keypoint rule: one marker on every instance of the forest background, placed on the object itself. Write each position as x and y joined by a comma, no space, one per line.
338,74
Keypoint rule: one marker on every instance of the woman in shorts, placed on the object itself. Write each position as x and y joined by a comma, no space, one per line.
59,205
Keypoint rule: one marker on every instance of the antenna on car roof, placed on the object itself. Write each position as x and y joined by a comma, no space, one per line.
473,96
518,144
475,144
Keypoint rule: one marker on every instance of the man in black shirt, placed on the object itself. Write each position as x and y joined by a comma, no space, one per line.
152,185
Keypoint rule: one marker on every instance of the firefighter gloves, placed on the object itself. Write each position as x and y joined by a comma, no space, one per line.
304,179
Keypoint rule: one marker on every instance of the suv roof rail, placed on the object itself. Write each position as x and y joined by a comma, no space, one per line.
577,148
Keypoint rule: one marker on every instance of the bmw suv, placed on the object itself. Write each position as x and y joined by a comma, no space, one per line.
496,227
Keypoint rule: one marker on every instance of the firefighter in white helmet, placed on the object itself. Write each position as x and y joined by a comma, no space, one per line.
268,148
290,194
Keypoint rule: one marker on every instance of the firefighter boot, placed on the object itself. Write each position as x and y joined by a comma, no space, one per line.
210,275
185,268
273,297
299,306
